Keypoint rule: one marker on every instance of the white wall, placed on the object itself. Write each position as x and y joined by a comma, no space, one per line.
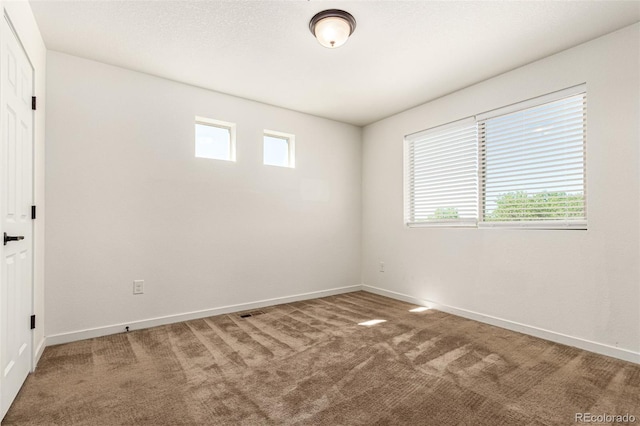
127,199
582,284
24,23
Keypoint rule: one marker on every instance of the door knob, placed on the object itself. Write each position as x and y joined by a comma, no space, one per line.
8,238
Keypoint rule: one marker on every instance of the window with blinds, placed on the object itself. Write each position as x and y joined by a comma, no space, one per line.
532,164
443,175
519,166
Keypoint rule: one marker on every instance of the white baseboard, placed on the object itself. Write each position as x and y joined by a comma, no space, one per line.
38,352
600,348
90,333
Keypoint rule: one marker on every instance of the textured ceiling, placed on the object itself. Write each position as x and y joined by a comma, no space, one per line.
402,54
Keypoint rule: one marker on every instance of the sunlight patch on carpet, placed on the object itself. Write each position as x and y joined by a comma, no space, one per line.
372,322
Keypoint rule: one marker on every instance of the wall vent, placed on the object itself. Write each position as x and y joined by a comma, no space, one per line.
250,314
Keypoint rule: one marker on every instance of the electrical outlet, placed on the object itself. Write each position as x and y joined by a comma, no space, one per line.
138,286
381,266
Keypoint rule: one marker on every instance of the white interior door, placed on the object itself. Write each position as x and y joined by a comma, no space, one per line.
16,197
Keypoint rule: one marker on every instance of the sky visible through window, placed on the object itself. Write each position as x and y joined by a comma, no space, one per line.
276,151
213,142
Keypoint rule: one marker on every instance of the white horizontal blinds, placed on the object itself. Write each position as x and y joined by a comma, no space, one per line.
532,165
442,175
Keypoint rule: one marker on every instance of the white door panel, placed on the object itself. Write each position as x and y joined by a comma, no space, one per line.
16,196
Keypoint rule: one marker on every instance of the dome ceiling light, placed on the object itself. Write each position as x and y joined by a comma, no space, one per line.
332,27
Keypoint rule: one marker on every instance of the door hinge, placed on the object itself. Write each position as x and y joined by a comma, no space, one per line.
33,212
33,322
33,103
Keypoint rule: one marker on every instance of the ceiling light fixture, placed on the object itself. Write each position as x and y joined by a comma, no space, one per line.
332,27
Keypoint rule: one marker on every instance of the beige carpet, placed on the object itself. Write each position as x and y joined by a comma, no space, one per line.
311,363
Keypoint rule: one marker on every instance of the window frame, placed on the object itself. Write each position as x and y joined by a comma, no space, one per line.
231,127
480,120
290,138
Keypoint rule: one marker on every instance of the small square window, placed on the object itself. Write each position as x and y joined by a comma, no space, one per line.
215,139
278,149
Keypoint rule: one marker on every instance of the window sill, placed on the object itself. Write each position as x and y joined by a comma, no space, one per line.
540,225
